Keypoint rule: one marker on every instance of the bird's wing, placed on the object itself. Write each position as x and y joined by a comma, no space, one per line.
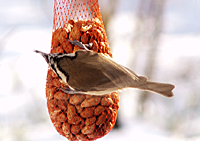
110,73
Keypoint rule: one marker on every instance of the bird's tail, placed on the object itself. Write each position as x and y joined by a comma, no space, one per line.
161,88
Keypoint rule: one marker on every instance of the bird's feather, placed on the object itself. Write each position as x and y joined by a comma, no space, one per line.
95,72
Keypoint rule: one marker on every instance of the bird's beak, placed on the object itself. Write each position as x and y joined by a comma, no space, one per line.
45,55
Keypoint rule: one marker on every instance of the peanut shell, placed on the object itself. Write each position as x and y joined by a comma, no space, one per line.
101,119
61,117
75,120
106,101
71,112
91,102
90,120
98,110
76,32
88,129
76,99
66,128
87,112
60,95
79,109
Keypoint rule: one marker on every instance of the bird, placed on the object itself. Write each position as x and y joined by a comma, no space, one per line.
89,72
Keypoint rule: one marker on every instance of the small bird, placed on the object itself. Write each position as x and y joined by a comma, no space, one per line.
88,72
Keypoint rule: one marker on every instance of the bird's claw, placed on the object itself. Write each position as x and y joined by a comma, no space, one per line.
80,44
69,90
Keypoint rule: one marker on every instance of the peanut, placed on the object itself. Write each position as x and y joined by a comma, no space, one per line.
52,102
84,38
66,128
56,82
71,112
54,113
75,120
88,129
79,109
58,49
80,136
106,101
98,110
75,129
67,46
95,46
90,120
91,102
76,32
87,112
62,104
50,91
76,99
61,96
101,119
61,117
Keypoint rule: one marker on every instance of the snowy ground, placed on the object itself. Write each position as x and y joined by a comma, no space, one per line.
23,111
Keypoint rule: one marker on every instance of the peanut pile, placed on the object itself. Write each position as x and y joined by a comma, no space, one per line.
79,116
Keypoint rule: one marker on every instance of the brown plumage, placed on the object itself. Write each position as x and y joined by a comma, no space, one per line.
94,73
88,72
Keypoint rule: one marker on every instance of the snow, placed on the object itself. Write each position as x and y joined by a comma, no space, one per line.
23,111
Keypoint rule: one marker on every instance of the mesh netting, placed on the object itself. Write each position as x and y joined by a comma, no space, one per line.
79,116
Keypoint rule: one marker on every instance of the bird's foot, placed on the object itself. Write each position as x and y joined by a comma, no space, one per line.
69,90
80,44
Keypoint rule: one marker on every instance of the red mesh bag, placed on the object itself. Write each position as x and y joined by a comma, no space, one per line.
79,116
